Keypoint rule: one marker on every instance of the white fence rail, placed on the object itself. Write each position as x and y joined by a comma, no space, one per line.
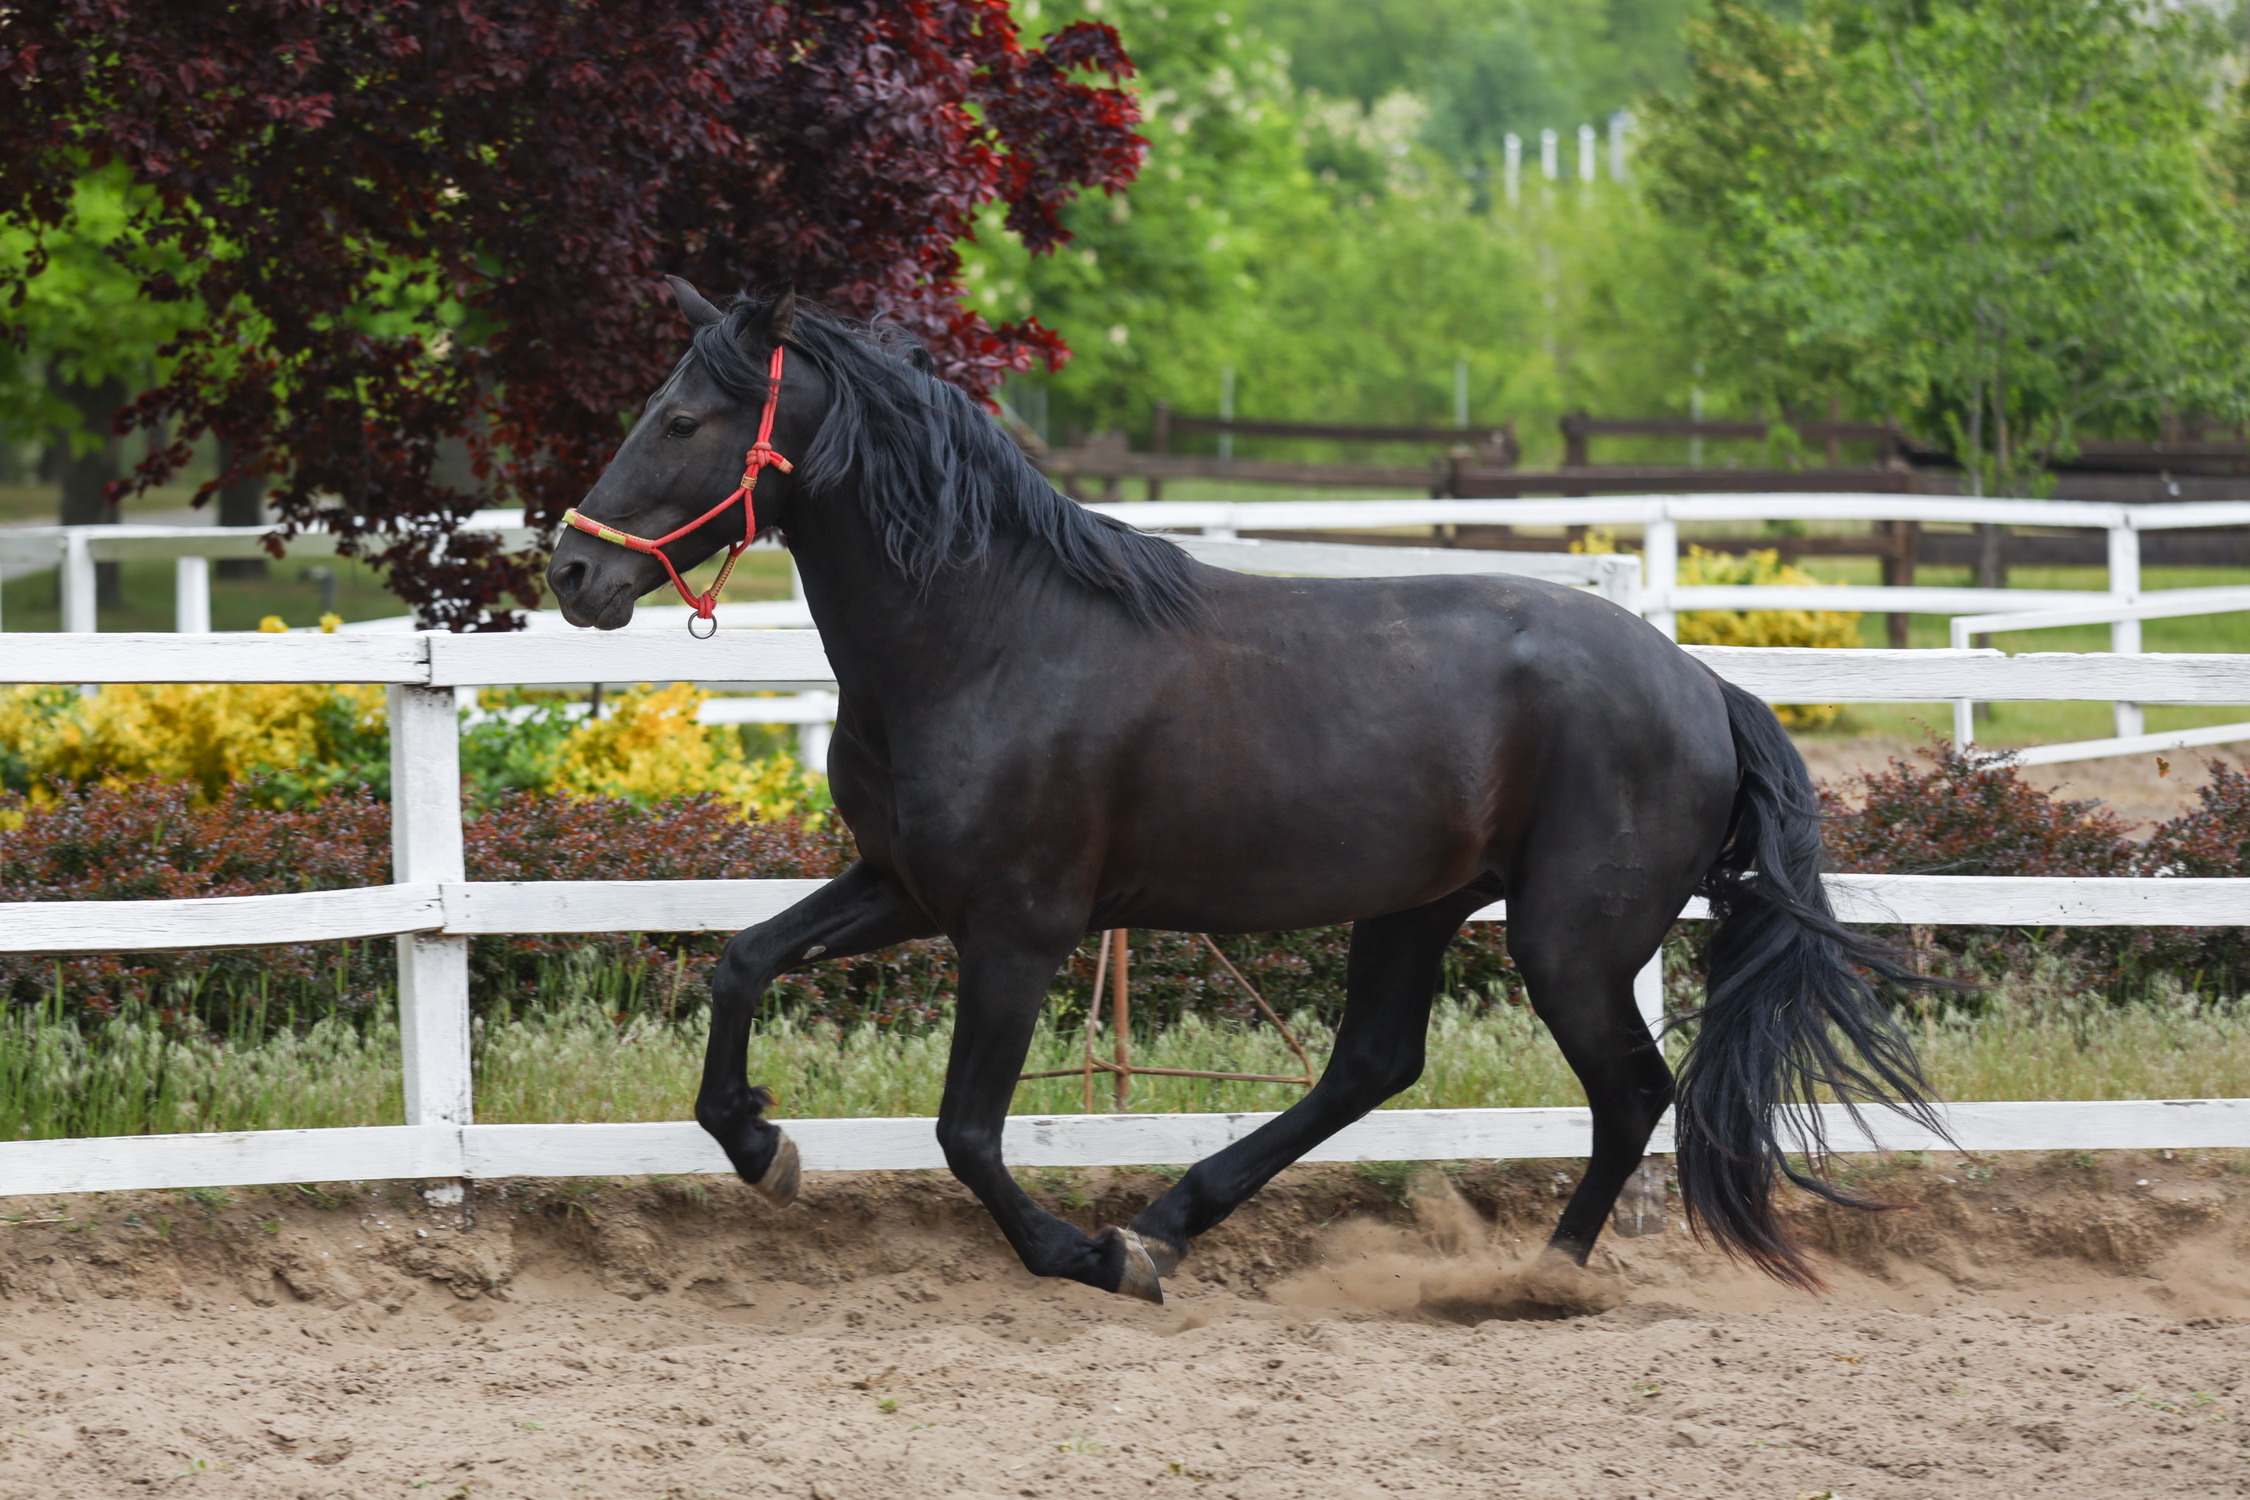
1659,595
1659,517
432,911
2171,604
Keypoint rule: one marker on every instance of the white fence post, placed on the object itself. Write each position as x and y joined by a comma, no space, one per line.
191,595
812,739
1660,574
433,970
78,583
1648,992
1641,1204
812,745
2125,635
1618,579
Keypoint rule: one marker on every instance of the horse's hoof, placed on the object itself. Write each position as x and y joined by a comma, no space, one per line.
1141,1279
779,1184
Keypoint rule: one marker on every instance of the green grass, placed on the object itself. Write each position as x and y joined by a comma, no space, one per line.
133,1075
578,1062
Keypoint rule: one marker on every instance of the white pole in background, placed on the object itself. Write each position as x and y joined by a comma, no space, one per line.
812,745
1513,148
191,595
1660,574
1585,153
1550,165
433,970
78,583
2125,635
1618,124
1648,992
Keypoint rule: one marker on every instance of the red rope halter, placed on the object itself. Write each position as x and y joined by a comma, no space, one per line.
761,455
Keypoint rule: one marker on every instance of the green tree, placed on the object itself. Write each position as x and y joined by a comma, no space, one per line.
1999,217
1330,258
89,341
1485,69
1158,286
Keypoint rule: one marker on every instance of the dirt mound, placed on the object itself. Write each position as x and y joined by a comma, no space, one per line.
2064,1326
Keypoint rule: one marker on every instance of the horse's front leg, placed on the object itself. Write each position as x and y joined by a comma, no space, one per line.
1004,980
857,912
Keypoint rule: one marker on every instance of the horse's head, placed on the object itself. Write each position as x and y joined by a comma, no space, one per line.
684,456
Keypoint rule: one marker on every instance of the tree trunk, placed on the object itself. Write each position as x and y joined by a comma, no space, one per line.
86,475
242,503
1992,565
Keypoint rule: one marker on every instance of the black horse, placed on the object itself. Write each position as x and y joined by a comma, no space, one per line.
1053,724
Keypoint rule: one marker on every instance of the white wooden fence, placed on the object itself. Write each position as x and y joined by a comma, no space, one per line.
1658,594
432,909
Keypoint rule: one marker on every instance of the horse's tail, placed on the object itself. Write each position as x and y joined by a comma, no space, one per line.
1791,1011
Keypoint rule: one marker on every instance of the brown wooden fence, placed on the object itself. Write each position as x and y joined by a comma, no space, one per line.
1484,462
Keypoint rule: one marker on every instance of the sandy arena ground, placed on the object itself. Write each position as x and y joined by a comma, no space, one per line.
2069,1326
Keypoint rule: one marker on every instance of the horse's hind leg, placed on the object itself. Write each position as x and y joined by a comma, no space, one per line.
1004,978
857,912
1391,979
1578,965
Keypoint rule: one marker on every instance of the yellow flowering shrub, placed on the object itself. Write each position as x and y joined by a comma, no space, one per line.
1764,627
212,734
649,746
299,741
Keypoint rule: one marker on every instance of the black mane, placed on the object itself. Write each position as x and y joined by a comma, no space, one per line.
941,477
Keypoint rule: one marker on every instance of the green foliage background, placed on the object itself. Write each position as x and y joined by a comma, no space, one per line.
1327,219
2011,224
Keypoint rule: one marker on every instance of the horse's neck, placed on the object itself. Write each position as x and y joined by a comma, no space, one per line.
888,635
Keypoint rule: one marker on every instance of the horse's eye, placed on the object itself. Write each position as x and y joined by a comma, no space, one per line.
681,427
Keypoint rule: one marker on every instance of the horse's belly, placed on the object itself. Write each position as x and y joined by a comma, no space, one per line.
1278,857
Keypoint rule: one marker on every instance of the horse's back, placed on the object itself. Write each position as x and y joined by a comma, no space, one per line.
1388,740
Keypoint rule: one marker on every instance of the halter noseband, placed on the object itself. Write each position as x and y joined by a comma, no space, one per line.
761,455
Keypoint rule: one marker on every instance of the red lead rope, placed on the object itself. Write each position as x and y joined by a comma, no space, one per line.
760,456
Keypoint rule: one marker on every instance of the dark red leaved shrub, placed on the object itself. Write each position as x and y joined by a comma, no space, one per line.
1968,815
1971,815
2210,839
153,841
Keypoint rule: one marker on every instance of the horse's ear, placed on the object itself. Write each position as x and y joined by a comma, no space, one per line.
693,305
781,313
920,359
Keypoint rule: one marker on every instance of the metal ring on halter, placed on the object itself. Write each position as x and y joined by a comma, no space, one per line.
703,635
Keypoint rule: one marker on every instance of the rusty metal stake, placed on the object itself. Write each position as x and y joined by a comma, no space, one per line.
1121,1020
1112,963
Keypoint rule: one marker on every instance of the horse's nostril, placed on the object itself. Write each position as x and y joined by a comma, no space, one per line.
568,578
